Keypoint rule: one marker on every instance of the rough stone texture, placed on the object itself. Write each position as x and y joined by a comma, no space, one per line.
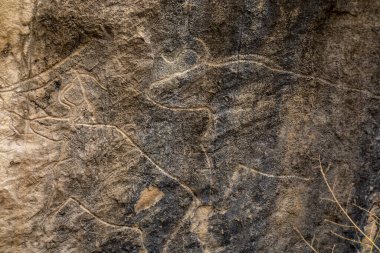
188,125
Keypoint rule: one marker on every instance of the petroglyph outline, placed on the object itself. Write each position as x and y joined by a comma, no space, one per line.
232,60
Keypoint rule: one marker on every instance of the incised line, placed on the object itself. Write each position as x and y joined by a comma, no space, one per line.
286,177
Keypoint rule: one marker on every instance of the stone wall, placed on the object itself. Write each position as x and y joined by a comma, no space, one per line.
189,126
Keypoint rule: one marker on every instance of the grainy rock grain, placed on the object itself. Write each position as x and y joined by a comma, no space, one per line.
189,126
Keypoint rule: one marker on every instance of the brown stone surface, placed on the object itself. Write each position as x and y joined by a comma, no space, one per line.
189,126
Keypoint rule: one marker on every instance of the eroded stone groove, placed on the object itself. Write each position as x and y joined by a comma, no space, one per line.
189,126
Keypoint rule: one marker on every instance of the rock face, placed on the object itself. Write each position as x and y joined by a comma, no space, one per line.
189,126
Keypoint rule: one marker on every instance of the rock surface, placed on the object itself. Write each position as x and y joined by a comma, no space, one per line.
189,126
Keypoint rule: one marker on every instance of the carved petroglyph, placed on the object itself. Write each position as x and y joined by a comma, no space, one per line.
72,94
183,126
